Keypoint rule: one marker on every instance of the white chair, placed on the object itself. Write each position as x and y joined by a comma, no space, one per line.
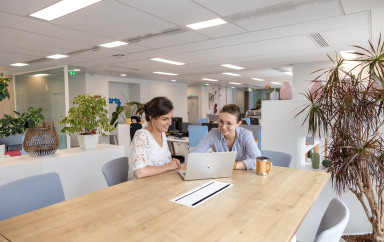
333,223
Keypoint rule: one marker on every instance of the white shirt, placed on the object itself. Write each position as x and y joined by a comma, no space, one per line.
145,151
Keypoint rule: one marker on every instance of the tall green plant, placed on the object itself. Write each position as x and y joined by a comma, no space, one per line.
87,116
349,110
4,93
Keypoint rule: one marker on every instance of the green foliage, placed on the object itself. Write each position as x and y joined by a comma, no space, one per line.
17,125
4,93
309,155
315,160
87,114
258,104
115,115
133,108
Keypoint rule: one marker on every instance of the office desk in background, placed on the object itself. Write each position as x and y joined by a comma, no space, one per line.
256,208
185,140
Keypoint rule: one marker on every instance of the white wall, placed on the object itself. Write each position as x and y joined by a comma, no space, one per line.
238,98
176,92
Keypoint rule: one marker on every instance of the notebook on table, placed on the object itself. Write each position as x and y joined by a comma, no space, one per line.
209,165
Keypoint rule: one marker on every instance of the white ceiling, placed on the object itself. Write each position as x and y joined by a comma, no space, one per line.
260,35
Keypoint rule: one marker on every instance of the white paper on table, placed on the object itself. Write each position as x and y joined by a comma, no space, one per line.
201,194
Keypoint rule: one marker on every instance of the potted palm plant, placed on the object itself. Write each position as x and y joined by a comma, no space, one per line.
349,110
87,117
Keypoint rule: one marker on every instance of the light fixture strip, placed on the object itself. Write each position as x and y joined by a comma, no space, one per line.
57,56
165,73
62,8
206,24
231,74
233,67
19,64
258,79
234,83
113,44
168,61
207,79
277,83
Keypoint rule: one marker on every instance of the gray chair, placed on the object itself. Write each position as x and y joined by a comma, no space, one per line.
28,194
116,171
333,223
278,158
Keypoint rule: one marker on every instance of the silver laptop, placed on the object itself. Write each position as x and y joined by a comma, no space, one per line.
209,165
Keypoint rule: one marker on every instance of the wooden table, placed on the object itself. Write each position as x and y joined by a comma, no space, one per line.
256,208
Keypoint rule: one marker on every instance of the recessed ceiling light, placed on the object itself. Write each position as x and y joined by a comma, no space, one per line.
62,8
207,79
288,73
348,54
123,74
113,44
19,64
57,56
231,74
258,79
234,83
168,61
165,73
233,67
42,74
206,24
278,83
173,80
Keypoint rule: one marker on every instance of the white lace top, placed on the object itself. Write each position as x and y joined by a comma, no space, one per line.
145,151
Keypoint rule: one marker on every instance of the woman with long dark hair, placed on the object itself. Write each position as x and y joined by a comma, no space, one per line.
149,154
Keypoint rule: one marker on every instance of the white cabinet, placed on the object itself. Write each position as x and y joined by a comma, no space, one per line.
79,170
281,131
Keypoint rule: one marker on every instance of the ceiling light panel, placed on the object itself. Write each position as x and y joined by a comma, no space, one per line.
231,74
41,74
113,44
57,56
348,54
19,64
62,8
206,24
168,61
165,73
207,79
233,67
258,79
234,83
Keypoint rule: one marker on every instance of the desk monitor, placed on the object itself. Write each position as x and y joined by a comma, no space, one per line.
176,124
210,125
209,165
254,121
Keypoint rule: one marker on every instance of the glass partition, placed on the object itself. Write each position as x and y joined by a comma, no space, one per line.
43,89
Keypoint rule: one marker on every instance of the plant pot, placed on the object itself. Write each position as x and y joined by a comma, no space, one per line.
274,95
316,88
2,150
88,141
286,91
128,121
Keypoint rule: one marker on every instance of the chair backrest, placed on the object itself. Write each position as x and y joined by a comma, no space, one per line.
278,158
259,139
202,120
116,171
133,128
248,120
28,194
333,223
196,134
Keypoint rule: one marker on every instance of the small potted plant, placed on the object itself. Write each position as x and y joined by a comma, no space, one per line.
87,117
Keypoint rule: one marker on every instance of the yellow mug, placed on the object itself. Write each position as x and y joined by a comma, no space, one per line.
263,165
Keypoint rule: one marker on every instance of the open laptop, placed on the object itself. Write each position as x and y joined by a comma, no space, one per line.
209,165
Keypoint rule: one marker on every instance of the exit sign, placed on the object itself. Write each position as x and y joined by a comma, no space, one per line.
72,73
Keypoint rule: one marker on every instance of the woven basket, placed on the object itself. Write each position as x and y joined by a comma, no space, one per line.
41,141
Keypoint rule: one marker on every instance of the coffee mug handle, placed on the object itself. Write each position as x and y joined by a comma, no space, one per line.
270,166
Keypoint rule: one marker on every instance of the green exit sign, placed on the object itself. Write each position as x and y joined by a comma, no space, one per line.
72,73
